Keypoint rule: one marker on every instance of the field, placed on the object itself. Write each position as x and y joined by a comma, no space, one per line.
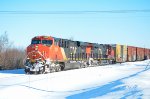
126,80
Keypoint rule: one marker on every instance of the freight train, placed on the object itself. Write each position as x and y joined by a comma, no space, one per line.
49,54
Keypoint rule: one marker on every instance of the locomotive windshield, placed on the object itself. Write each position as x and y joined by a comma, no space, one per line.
36,42
47,42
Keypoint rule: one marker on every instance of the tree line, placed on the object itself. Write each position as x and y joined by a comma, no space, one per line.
10,57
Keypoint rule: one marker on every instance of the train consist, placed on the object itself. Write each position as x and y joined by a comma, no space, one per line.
49,54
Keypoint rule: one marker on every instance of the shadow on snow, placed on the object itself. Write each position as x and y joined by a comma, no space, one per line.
15,71
111,87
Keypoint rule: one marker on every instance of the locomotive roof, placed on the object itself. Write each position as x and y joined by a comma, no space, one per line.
41,37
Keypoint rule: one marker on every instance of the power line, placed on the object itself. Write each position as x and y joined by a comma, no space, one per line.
76,12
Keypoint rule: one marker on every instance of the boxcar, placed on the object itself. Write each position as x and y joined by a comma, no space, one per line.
140,54
131,53
146,53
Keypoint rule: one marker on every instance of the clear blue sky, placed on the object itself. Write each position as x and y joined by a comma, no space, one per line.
124,28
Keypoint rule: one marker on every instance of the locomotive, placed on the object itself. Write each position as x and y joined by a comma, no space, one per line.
49,54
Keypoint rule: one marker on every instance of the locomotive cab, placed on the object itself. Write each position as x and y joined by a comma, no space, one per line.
39,47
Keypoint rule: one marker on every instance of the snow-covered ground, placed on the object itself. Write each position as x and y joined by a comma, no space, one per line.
126,80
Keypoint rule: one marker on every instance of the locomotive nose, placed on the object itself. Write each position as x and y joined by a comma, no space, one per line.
35,47
37,51
33,52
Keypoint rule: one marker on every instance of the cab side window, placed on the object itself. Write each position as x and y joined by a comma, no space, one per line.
60,43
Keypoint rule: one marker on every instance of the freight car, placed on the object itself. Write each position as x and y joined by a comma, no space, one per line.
131,53
120,52
146,53
50,54
140,53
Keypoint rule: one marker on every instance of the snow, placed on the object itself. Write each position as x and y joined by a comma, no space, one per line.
126,80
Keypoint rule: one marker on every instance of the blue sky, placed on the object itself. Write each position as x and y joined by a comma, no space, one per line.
124,28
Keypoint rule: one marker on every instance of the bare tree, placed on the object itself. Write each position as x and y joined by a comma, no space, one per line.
3,41
10,57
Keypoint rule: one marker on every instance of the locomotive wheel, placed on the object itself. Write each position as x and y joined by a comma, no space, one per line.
58,68
62,66
52,69
81,65
36,72
42,71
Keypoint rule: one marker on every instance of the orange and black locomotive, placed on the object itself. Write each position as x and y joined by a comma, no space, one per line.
49,54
